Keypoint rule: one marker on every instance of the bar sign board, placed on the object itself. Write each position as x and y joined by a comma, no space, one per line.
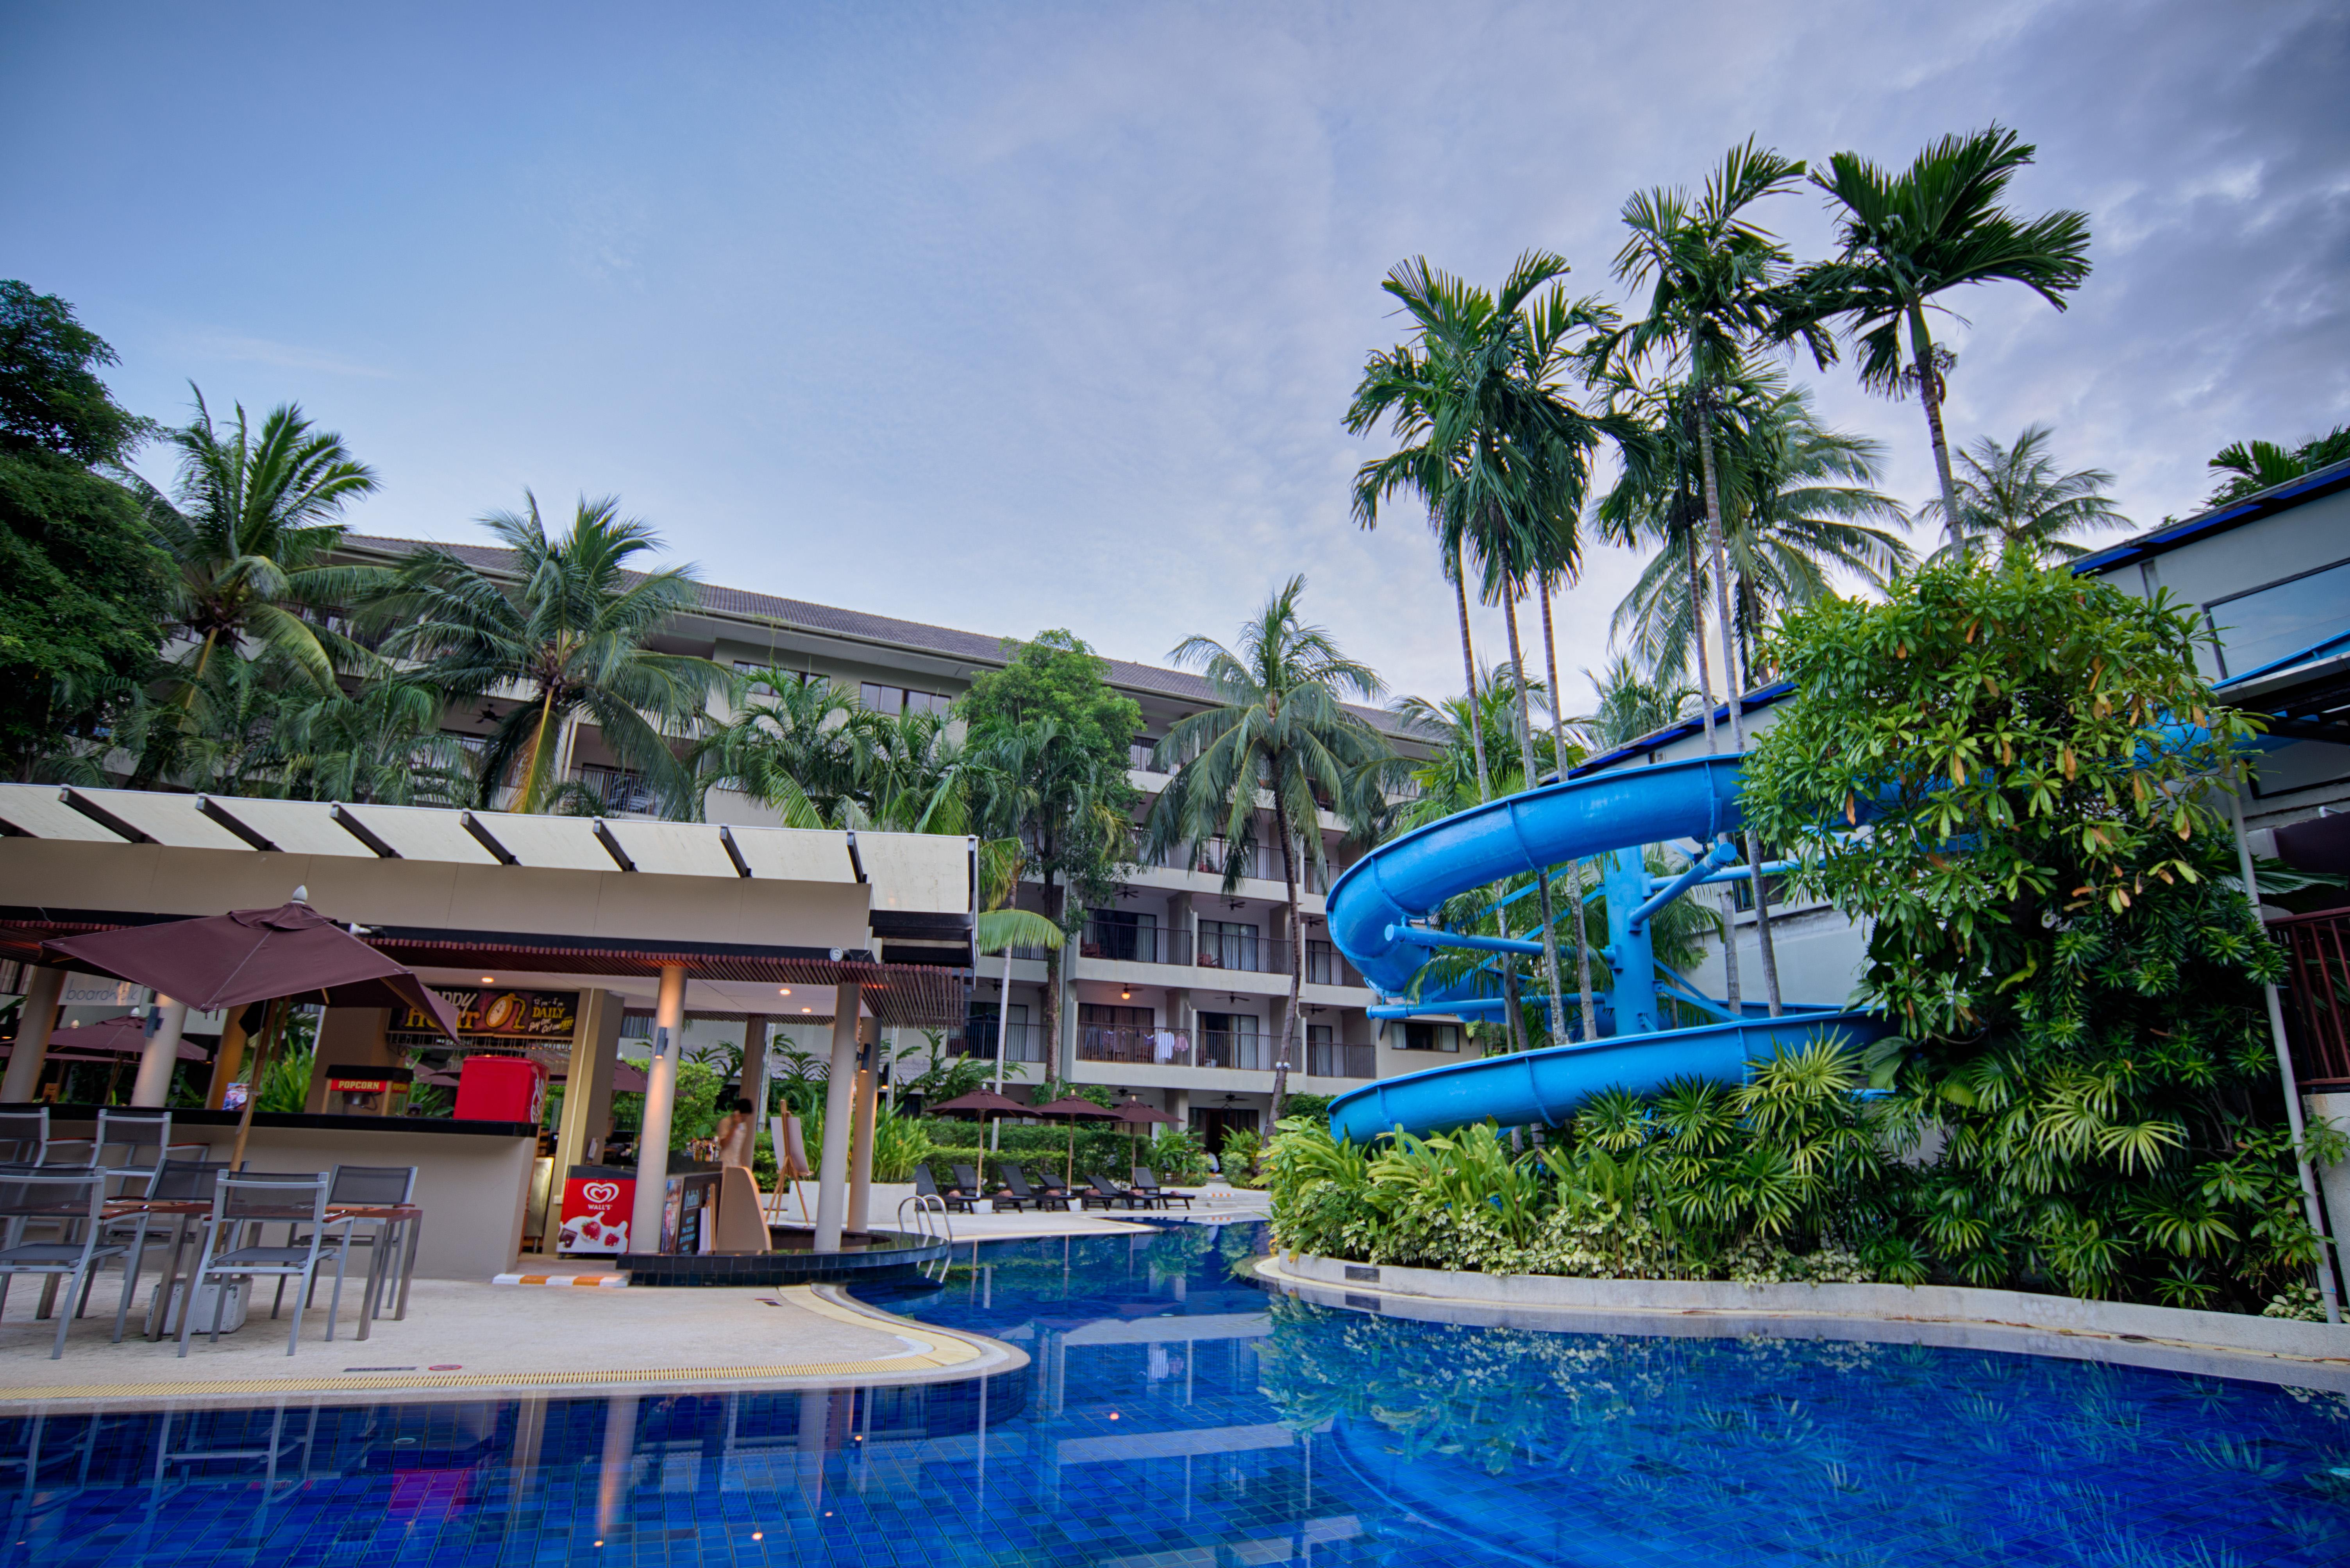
495,1013
366,1080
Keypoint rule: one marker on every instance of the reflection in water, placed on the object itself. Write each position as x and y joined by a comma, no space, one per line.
1176,1417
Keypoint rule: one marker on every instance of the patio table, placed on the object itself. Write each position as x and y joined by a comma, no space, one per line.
403,1225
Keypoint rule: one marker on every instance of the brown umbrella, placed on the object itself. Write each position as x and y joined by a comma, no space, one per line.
1074,1109
125,1036
1135,1114
288,954
981,1105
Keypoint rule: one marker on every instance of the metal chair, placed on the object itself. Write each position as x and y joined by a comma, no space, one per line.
134,1129
68,1199
176,1181
255,1198
377,1186
25,1136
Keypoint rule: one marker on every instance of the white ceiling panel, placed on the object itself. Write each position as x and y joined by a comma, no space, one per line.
794,853
169,819
672,848
917,873
39,811
548,843
295,827
417,832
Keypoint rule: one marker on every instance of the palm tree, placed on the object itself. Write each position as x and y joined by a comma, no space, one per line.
1494,446
2262,465
381,743
1002,926
1798,503
1719,288
1633,703
790,745
1908,238
1280,731
568,627
255,519
2014,494
1446,781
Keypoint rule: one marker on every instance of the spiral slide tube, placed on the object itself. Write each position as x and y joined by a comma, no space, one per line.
1610,815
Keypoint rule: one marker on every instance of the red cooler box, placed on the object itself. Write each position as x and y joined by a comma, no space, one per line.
501,1089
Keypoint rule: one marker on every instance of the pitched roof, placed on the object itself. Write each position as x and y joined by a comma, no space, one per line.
834,621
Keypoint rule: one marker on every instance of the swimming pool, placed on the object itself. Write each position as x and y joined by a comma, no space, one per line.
1175,1416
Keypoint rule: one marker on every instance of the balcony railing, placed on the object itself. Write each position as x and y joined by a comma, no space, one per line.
1134,944
1249,955
1329,1059
616,793
1247,1053
1262,863
1022,1041
1139,1047
2318,949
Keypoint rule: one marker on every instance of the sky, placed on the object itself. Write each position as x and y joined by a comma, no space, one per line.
1024,315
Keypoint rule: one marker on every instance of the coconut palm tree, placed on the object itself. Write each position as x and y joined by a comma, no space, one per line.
567,628
1279,735
383,743
1718,288
2258,465
1904,239
2013,494
252,520
1494,445
1799,506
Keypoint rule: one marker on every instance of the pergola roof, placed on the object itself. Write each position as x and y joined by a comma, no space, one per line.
448,890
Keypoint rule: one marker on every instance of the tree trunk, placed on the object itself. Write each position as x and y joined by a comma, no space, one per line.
1704,659
1922,345
1575,869
1469,677
1542,873
1484,778
1737,696
1296,962
528,800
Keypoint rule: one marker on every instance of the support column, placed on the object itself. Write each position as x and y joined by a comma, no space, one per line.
661,1099
588,1084
754,1065
1631,956
34,1019
165,1026
832,1173
868,1092
230,1058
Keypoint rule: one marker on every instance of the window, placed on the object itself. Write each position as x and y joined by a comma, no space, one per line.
1137,754
1229,1040
1103,1015
2260,627
1227,944
895,700
1432,1037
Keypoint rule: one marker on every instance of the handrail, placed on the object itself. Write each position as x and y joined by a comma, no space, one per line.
925,1205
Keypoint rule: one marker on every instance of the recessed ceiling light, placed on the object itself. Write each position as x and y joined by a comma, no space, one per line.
807,1009
489,980
783,991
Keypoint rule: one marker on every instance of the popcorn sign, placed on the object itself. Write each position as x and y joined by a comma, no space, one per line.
595,1215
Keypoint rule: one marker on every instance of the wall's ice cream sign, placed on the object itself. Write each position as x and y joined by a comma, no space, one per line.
495,1013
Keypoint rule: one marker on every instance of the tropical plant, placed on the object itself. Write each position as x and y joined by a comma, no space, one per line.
789,744
1446,781
1798,506
569,624
1049,742
383,743
1278,742
999,926
2042,867
2250,467
253,523
1632,703
2013,494
1717,285
1905,240
1496,447
81,585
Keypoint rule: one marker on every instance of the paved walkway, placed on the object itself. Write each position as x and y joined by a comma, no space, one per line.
464,1335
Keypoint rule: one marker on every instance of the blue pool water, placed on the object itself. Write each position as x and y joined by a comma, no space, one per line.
1177,1417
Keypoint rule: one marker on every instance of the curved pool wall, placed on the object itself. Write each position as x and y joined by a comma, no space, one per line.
1175,1416
1610,815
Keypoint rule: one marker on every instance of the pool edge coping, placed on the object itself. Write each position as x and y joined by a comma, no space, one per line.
983,1357
1719,1308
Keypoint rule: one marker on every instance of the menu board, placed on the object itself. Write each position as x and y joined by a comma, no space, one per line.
494,1013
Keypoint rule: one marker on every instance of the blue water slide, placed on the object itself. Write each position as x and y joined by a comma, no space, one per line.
1374,906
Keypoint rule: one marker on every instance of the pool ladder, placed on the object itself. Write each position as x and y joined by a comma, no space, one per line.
932,1221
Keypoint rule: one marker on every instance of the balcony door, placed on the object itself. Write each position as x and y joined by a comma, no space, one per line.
1228,944
1230,1039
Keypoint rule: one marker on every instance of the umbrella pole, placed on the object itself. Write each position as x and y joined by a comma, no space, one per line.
276,1027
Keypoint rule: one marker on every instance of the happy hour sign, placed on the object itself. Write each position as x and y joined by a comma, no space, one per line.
507,1014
